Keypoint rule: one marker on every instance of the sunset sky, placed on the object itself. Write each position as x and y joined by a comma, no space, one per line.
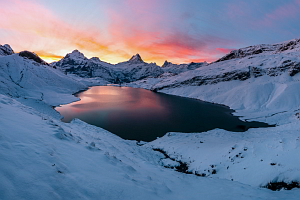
179,31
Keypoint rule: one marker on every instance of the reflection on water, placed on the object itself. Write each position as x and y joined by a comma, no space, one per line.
140,114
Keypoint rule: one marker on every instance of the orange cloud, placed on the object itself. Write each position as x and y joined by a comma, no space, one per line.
48,57
33,27
136,28
156,44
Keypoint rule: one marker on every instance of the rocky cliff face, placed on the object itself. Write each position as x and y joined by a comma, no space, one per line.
6,50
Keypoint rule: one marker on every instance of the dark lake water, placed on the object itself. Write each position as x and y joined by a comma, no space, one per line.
139,114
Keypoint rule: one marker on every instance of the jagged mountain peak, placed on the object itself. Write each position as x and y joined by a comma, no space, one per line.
76,54
6,50
136,59
166,63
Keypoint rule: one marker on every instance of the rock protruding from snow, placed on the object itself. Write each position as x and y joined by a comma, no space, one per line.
292,45
166,64
169,67
136,59
6,50
32,56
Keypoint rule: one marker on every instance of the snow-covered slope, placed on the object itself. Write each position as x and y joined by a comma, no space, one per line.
44,158
289,46
169,67
21,77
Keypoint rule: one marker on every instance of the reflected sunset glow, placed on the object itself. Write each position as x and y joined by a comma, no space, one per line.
140,114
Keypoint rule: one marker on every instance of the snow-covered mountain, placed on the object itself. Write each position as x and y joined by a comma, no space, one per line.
291,46
273,60
44,158
261,83
77,63
169,67
132,70
23,77
135,69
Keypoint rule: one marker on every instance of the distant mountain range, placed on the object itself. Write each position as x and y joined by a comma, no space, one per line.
132,70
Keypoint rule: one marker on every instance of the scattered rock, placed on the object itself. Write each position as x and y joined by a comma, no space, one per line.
276,186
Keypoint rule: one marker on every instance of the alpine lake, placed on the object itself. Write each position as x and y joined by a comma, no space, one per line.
143,115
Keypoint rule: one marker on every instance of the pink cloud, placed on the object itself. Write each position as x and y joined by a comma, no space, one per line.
290,10
157,43
133,28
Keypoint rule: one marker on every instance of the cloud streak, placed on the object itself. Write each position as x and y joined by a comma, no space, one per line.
42,31
158,30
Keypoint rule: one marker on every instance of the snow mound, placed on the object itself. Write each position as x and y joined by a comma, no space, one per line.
26,78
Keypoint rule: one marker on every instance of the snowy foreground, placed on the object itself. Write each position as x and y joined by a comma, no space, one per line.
44,158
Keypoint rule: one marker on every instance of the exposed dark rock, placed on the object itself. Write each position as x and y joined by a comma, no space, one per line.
289,46
182,167
294,69
136,59
166,63
6,50
32,56
257,72
276,186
